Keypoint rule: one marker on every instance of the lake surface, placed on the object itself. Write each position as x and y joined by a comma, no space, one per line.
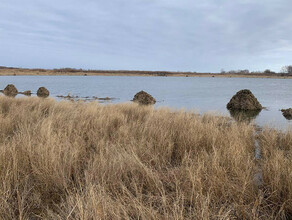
192,93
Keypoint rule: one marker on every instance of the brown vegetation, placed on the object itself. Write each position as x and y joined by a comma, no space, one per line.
27,92
287,113
277,169
144,98
244,100
63,160
43,92
10,90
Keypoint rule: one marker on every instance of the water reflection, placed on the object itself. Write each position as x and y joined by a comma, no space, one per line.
288,117
244,115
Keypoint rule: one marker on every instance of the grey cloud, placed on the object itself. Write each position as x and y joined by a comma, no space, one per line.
185,35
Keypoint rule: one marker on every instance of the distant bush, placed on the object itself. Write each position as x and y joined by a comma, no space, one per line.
238,71
287,69
247,72
39,70
5,67
68,70
269,72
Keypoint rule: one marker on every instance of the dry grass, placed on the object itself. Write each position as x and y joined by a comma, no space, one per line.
277,170
90,161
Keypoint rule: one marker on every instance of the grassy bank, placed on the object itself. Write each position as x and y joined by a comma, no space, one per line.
63,160
9,71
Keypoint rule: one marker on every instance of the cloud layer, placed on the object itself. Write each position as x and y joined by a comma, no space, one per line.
185,35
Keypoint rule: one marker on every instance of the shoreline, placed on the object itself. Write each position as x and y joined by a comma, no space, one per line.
69,72
235,118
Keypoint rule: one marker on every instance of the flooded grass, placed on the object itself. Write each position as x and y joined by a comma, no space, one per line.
86,98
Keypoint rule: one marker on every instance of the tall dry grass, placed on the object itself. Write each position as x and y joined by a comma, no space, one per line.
61,160
277,170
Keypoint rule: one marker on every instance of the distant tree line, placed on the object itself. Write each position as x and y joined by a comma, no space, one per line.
285,70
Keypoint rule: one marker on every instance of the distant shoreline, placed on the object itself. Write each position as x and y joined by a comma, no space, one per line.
10,71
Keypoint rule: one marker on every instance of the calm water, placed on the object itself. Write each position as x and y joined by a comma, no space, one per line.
200,94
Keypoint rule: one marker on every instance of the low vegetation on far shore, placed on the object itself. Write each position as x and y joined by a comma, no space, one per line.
63,160
286,72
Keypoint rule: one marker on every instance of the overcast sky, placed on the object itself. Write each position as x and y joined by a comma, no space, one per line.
177,35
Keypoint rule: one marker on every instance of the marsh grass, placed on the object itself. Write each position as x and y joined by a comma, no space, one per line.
277,170
63,160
